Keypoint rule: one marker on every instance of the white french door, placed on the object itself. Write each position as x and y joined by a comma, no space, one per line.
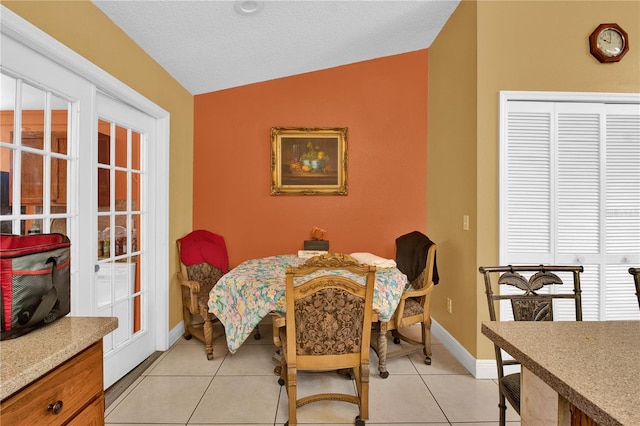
78,162
121,280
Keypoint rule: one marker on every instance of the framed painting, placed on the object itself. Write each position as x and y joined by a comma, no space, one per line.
309,161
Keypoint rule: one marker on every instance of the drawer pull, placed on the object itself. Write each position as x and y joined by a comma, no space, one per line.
56,407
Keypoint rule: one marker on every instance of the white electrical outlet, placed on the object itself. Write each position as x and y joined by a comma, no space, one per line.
449,306
465,222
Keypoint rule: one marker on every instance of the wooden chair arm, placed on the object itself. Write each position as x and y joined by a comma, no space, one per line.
421,292
417,293
278,321
193,287
413,293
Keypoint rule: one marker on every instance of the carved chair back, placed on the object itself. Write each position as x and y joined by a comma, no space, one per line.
530,296
636,278
329,303
329,314
532,299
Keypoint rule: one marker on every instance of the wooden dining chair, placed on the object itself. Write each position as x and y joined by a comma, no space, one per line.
196,281
328,327
413,308
635,272
526,290
203,261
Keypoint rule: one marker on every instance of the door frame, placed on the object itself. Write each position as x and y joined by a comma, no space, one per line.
17,28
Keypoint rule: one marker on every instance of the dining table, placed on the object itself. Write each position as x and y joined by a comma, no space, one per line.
574,372
255,288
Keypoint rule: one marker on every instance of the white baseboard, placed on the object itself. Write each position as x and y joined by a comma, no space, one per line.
486,369
176,333
479,368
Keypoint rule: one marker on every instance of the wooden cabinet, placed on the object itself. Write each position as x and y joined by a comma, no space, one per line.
71,394
93,415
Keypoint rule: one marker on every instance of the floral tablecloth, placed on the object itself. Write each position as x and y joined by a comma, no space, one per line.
247,293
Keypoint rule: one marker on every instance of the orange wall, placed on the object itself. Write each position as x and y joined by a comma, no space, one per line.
383,102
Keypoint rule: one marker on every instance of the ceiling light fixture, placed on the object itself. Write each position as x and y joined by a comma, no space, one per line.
248,7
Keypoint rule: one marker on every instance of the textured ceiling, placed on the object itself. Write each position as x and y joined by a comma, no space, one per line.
208,46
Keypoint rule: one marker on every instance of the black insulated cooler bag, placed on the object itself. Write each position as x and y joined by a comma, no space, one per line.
35,281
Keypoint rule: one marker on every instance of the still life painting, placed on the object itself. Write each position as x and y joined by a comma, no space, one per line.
309,161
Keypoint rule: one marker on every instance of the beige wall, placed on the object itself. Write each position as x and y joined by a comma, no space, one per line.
451,171
521,46
84,28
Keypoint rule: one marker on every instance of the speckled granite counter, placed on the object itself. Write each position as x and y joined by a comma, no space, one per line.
595,365
26,358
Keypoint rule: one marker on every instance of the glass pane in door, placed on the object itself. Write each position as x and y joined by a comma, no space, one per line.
35,160
119,287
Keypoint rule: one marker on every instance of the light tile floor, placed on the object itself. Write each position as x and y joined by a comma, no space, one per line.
182,388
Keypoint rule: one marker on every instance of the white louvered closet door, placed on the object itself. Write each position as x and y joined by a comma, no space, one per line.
570,194
579,197
622,209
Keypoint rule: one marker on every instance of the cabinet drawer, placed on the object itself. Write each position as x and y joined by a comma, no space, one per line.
75,383
93,415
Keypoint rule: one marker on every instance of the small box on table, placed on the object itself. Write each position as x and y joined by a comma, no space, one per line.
316,245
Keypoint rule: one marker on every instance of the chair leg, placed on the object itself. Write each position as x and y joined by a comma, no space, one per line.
382,350
281,371
426,340
396,336
291,382
503,410
186,316
362,381
207,329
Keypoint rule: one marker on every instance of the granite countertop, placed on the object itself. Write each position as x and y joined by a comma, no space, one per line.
595,365
26,358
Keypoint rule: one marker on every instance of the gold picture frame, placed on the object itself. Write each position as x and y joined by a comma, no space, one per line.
309,161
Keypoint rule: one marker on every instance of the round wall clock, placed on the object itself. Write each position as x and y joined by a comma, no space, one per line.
608,43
